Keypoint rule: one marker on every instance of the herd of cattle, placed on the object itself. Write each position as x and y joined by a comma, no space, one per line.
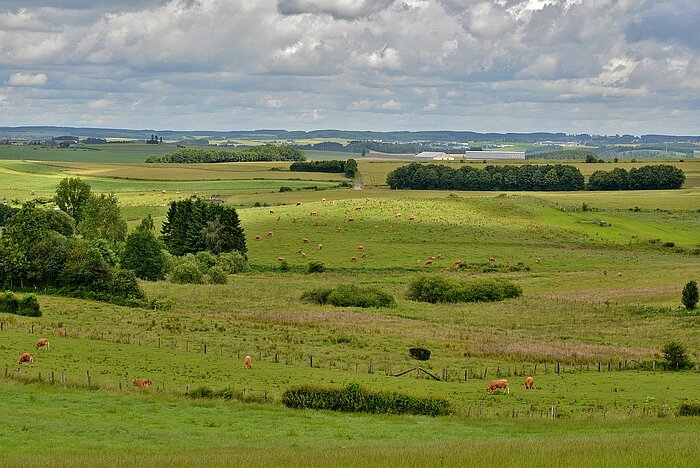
248,364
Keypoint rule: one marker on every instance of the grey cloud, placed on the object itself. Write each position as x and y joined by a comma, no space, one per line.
341,9
673,21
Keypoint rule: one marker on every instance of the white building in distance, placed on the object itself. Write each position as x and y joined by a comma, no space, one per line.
494,155
434,155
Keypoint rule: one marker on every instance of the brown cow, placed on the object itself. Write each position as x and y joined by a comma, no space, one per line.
350,220
491,259
529,383
272,211
358,208
428,262
360,247
298,203
26,357
538,259
364,255
411,218
257,237
305,240
320,246
458,263
269,234
303,254
353,259
62,333
397,215
41,343
280,259
619,274
248,362
142,383
314,213
501,383
323,199
605,272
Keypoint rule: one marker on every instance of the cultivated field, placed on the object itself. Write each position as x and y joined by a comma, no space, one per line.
591,338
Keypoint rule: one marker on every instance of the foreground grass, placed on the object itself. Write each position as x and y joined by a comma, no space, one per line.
45,426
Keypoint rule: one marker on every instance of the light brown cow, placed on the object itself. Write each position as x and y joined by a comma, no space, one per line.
458,263
26,357
41,343
397,215
538,259
529,383
280,259
323,199
411,218
303,254
501,383
305,240
358,208
248,362
619,274
272,211
353,259
314,213
257,237
350,220
360,247
428,262
364,255
269,234
298,203
62,333
142,383
491,259
320,246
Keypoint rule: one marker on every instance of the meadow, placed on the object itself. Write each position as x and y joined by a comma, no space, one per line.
591,338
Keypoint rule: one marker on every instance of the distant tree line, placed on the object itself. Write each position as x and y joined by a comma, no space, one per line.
194,226
560,154
527,177
660,177
349,167
256,153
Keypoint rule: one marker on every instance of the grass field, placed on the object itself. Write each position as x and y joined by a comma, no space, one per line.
571,314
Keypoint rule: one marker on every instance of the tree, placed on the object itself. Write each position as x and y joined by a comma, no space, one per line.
143,253
690,295
102,219
676,355
72,194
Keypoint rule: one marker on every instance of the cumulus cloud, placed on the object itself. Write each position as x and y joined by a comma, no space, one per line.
27,79
503,65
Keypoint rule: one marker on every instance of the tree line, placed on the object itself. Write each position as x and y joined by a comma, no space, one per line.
417,176
82,249
528,177
659,177
349,167
254,154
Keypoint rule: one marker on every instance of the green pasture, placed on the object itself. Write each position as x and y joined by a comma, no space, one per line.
105,153
79,428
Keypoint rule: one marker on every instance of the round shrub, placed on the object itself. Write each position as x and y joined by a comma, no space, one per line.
421,354
206,259
355,296
217,275
315,267
317,296
438,289
125,284
187,272
232,262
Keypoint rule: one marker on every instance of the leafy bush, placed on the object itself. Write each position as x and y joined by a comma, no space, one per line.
690,295
187,272
315,267
689,409
125,284
27,306
217,275
350,296
205,259
421,354
676,356
232,262
284,266
437,289
284,188
353,398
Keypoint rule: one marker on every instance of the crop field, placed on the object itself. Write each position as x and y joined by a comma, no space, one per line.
601,295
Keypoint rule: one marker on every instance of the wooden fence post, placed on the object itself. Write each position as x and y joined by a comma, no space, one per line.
52,377
311,361
205,348
63,377
89,379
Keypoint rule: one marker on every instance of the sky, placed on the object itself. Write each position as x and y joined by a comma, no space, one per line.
575,66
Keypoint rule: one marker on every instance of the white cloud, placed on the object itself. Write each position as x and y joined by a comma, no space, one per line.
96,104
27,79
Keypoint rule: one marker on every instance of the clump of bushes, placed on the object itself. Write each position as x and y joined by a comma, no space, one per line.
676,356
187,272
315,267
437,289
27,306
226,394
232,262
493,267
354,399
689,409
350,296
217,275
421,354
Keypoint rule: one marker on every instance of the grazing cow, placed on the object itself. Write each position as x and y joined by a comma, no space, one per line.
142,383
491,259
320,246
605,272
350,220
298,203
257,237
366,199
360,247
441,257
538,259
353,259
26,357
429,262
397,215
280,259
619,274
272,211
41,343
447,268
529,383
502,384
305,240
323,199
364,255
269,234
358,208
303,254
458,263
62,333
411,218
338,229
248,362
314,213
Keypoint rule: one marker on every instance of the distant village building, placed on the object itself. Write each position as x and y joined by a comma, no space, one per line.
494,155
432,155
64,141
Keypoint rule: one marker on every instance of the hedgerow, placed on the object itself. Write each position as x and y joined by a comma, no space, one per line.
355,399
437,289
350,296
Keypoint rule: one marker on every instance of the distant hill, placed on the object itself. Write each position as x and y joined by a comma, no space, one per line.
38,132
